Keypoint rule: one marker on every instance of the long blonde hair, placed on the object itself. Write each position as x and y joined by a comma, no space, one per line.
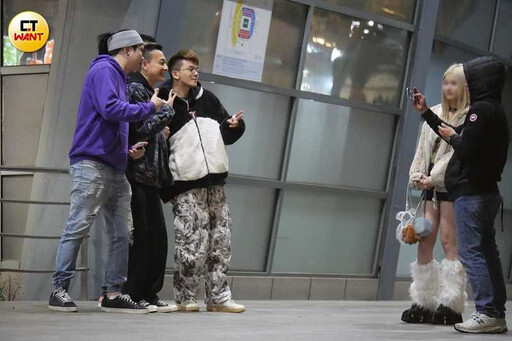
462,94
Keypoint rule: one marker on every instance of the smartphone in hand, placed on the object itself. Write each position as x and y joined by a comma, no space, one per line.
409,92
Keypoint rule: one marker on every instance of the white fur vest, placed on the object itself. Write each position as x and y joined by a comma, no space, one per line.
423,154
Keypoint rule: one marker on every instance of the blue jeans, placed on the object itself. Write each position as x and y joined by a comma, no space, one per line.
474,218
96,187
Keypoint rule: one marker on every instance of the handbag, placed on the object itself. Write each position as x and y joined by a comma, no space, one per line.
412,227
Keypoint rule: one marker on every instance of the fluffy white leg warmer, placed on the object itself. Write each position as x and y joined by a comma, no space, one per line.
424,287
452,285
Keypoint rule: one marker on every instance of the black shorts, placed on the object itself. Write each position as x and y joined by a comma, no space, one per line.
441,196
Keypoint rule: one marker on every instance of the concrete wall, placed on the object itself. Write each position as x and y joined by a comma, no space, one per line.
76,46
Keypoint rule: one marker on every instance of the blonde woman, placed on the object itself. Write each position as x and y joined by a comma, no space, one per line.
438,290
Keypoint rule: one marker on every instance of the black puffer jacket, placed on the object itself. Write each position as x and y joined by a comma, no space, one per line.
481,143
152,169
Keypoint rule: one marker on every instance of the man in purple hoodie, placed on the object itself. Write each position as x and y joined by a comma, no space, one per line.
98,160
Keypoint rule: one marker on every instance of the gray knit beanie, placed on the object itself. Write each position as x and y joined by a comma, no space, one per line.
123,39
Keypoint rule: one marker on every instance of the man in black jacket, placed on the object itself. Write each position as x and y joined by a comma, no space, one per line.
200,131
472,176
147,175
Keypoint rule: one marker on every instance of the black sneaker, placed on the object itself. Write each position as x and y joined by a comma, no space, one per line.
417,314
60,301
163,307
122,304
152,308
447,316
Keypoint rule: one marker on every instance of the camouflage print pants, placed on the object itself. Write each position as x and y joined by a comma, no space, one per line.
202,236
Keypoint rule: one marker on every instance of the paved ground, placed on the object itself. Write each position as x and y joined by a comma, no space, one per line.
264,320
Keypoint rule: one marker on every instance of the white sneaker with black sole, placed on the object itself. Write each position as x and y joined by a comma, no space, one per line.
482,324
61,301
151,307
122,304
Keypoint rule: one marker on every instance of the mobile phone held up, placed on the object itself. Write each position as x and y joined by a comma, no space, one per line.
409,93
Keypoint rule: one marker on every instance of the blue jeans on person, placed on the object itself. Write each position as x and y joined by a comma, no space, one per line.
476,242
95,187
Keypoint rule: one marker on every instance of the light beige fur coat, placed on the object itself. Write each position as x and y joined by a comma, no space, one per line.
424,151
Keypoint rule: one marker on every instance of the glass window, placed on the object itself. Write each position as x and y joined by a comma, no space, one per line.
355,59
283,46
502,41
468,21
252,210
265,115
443,55
326,233
395,9
337,145
12,56
21,122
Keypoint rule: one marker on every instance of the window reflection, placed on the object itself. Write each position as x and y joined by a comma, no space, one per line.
326,137
502,41
396,9
468,21
354,59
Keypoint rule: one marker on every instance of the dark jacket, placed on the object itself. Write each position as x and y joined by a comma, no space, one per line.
198,156
152,169
481,143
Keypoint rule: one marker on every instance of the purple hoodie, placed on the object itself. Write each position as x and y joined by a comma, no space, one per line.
101,132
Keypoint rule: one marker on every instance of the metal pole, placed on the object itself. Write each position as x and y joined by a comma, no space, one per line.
422,40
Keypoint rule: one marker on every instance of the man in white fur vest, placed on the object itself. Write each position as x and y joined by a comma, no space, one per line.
199,133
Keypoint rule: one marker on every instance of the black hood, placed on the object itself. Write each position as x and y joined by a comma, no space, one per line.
137,77
166,86
195,93
485,77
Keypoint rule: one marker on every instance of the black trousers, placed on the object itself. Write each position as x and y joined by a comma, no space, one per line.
148,254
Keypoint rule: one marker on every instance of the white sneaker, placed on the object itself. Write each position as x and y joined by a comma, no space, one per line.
188,307
228,306
482,324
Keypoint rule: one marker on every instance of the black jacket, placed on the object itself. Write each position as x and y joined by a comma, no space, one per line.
152,169
481,143
198,156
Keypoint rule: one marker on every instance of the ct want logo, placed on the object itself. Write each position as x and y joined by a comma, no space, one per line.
28,31
473,117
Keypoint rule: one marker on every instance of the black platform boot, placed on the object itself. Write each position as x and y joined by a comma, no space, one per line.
417,314
446,316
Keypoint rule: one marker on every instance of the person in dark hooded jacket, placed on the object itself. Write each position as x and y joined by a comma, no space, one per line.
472,176
147,176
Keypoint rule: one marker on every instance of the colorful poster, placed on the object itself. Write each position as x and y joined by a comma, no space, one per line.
242,39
